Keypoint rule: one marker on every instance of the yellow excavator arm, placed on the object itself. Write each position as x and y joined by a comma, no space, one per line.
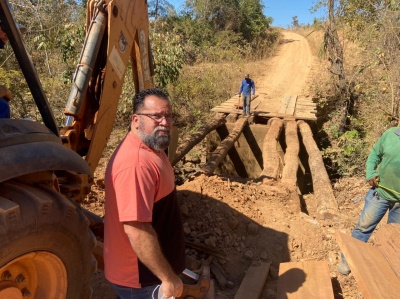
116,31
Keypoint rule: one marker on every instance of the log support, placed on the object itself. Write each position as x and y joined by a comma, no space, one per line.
271,159
220,152
327,206
195,138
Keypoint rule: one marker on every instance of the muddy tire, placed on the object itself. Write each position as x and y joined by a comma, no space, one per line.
45,244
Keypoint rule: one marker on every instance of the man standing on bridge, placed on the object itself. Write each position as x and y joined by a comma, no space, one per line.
384,194
247,88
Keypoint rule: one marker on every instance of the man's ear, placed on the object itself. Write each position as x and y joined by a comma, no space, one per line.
135,121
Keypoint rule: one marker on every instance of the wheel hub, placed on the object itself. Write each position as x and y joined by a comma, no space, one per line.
34,275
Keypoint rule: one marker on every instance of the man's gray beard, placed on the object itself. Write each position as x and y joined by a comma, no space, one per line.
153,141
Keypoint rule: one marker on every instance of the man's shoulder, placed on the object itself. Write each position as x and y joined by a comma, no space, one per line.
392,130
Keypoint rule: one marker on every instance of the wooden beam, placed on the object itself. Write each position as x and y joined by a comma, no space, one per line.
291,158
271,159
372,272
254,281
326,201
195,138
304,280
220,152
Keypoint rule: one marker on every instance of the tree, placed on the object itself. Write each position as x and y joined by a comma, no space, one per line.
295,22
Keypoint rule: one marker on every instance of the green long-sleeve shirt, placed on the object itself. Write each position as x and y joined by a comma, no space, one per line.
386,154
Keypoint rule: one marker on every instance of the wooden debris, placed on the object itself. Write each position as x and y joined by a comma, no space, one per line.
219,276
206,249
254,281
326,202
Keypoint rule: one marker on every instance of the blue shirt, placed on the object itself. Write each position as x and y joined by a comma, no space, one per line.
247,86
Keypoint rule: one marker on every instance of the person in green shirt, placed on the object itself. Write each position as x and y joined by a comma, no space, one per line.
383,175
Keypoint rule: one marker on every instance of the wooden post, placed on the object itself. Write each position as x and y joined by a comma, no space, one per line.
271,159
326,201
291,159
195,138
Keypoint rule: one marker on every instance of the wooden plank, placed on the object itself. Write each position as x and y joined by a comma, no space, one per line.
304,280
253,283
284,104
291,105
388,242
372,272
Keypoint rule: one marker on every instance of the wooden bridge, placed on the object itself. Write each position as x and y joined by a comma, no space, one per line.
274,143
295,107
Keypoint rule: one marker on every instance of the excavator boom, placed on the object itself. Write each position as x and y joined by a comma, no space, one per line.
117,31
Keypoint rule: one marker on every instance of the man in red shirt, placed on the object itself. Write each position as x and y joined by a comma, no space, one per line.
144,239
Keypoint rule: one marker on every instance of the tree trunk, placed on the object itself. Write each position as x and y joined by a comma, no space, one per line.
291,159
271,159
326,201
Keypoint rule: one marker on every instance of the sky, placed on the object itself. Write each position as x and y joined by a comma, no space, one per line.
281,11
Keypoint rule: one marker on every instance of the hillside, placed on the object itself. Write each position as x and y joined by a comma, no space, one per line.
247,221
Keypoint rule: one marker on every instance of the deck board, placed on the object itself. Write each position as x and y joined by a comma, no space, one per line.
372,272
304,280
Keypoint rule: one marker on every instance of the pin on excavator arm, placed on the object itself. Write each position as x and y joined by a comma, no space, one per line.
117,32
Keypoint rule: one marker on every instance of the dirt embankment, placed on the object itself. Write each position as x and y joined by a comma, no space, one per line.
245,222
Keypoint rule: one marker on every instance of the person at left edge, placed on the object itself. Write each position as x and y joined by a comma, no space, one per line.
5,93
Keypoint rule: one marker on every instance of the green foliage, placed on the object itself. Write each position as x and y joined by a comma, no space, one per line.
199,89
168,54
347,154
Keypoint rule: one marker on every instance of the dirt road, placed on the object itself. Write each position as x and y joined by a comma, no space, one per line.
287,73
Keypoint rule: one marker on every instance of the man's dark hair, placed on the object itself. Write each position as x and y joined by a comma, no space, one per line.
138,99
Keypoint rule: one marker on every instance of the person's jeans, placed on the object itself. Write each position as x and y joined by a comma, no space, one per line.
123,292
374,209
246,103
4,109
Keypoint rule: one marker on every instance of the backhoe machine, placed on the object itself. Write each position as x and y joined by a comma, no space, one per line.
47,239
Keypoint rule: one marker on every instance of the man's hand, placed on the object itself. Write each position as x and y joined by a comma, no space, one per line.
374,182
172,288
144,242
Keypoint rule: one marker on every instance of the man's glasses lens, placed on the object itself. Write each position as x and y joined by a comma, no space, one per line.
158,117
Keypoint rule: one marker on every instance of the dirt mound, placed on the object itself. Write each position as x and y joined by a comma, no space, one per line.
248,222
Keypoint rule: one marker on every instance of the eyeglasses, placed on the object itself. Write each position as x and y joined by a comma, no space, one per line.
158,117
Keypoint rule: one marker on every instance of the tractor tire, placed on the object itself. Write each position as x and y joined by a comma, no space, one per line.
45,244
